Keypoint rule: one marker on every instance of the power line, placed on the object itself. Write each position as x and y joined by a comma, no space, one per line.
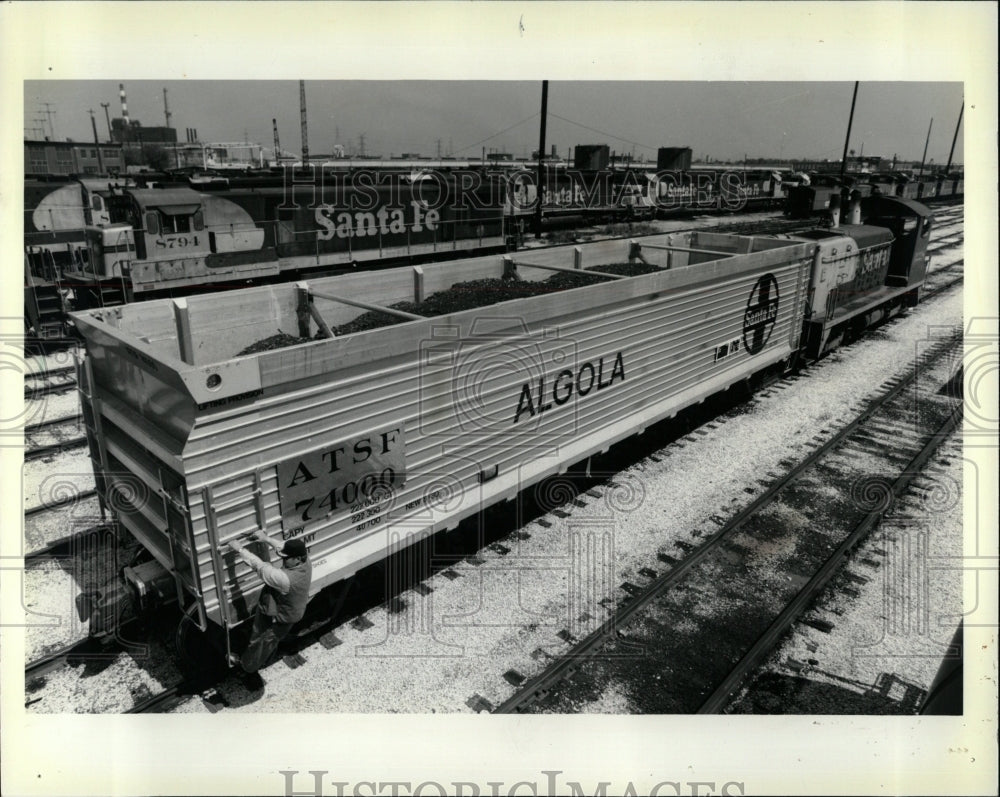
603,133
498,133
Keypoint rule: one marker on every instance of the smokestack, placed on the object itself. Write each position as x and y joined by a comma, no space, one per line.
302,114
121,93
166,108
277,145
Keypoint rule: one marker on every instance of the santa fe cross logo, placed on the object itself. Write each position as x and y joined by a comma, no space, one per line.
761,313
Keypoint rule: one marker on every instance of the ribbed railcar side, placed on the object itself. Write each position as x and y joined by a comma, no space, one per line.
485,402
666,329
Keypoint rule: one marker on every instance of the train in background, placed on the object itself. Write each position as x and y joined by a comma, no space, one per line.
820,193
95,243
360,444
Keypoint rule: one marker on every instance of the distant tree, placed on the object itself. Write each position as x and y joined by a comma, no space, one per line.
156,157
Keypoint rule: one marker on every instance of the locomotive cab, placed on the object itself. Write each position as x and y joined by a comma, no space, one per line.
171,223
910,223
110,251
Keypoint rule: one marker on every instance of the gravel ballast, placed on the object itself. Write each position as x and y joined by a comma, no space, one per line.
875,647
449,650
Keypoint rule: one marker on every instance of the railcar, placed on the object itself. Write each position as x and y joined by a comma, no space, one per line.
804,201
364,443
865,273
825,192
157,241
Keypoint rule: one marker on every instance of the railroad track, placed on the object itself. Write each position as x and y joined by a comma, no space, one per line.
61,439
88,647
937,289
67,546
640,640
62,502
64,378
43,425
754,657
945,242
162,702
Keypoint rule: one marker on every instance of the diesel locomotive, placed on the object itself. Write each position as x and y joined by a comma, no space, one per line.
114,242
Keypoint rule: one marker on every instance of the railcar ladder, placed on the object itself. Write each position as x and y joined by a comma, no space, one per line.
91,412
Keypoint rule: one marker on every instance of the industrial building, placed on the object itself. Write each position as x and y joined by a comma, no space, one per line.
62,158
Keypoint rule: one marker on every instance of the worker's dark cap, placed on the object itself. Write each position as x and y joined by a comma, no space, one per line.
294,548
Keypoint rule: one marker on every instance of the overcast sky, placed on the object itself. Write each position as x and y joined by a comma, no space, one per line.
720,120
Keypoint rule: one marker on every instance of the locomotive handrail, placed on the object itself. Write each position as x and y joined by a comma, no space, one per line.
366,306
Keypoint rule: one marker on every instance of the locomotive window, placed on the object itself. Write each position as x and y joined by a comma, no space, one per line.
199,221
152,223
172,224
96,203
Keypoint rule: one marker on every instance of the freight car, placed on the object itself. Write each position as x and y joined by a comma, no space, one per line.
826,192
363,443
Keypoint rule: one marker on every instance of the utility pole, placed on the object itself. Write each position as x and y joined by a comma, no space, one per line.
955,137
847,139
302,116
928,141
107,118
541,161
97,143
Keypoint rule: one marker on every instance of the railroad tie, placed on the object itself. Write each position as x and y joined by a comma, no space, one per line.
479,703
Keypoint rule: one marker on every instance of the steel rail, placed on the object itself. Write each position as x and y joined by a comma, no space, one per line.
32,428
57,658
36,510
752,659
64,545
158,703
567,663
62,369
44,390
40,451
